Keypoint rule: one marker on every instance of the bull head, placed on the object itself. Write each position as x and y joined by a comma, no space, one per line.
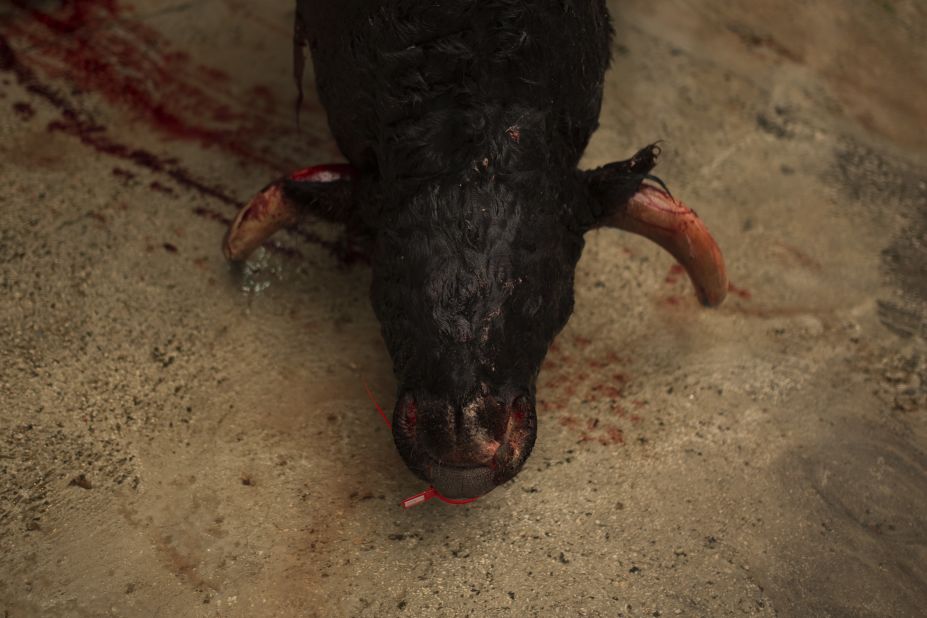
471,282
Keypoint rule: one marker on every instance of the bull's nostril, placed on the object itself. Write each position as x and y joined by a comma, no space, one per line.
520,408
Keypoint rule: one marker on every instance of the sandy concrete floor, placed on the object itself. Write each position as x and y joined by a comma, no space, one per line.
181,439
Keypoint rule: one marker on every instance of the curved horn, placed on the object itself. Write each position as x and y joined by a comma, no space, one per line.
282,203
655,214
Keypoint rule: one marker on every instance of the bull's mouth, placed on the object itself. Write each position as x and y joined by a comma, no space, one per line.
474,470
461,482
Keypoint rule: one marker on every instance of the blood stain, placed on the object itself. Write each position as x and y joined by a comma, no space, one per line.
160,188
615,434
97,47
72,122
584,385
23,110
742,293
674,273
122,174
582,342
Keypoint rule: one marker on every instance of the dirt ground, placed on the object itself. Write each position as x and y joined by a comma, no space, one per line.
179,438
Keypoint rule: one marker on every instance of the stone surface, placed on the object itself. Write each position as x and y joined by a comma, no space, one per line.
179,438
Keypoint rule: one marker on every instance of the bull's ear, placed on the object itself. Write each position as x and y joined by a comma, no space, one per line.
323,191
621,198
616,182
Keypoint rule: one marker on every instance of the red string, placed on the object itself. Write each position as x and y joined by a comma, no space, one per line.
429,493
379,409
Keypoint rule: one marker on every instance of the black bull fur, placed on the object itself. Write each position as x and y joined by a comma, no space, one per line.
464,122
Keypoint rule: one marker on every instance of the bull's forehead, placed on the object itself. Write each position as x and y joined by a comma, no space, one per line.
473,283
464,289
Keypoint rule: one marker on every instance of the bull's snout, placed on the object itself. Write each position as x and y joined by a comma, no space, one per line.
465,451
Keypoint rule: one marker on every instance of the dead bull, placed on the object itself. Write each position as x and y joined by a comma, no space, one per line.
464,122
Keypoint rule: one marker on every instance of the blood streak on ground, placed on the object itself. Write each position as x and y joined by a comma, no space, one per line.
742,293
577,388
73,122
675,271
123,174
212,215
98,47
160,188
23,110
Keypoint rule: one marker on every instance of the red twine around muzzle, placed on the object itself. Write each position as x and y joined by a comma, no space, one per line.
429,493
379,409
